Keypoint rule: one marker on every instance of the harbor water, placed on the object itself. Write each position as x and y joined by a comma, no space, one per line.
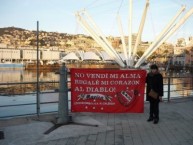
180,85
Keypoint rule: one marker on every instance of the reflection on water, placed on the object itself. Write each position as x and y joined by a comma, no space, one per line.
184,85
180,85
20,75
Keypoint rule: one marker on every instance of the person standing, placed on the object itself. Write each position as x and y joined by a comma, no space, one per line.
154,81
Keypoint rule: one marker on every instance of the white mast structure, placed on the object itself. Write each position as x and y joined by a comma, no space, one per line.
99,39
172,31
125,51
130,32
98,36
158,38
129,52
138,39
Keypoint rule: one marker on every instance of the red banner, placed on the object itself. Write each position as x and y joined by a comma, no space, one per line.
112,91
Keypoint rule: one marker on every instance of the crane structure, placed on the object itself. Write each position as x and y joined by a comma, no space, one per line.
130,51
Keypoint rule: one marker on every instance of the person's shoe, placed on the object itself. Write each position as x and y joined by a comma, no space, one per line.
150,119
155,121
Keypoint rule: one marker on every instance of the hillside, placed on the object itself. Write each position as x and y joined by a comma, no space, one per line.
7,30
12,37
18,37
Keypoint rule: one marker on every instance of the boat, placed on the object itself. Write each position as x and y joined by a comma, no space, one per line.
33,66
11,65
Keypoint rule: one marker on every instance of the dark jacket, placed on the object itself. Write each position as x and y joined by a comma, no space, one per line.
155,82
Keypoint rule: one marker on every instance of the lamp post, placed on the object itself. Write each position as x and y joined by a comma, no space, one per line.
37,71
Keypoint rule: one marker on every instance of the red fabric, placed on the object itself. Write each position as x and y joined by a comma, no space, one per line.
112,91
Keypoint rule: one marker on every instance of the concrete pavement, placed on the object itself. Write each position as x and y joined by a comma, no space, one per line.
174,128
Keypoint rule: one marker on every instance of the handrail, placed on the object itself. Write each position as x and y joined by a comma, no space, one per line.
16,83
167,84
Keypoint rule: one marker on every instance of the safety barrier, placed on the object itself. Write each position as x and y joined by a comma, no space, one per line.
21,99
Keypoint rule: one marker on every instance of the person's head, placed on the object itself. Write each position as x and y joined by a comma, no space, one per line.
154,68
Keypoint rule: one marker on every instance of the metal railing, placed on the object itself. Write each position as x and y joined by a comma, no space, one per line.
177,87
23,95
19,99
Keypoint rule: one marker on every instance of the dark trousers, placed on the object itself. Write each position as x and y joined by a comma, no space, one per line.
154,109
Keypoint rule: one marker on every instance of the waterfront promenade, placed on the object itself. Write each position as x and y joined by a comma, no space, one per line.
175,128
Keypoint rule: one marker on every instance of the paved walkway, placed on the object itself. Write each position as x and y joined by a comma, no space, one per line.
175,128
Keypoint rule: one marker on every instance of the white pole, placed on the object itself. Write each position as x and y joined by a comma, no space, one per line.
175,28
122,38
130,32
100,33
158,38
138,39
98,40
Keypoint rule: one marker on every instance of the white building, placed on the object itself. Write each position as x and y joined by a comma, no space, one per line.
179,50
30,55
50,55
9,54
179,60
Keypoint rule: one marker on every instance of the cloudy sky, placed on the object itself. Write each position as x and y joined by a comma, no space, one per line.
59,15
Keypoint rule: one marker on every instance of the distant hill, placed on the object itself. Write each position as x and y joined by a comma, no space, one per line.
9,29
19,37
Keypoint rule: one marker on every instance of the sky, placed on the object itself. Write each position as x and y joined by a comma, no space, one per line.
59,16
